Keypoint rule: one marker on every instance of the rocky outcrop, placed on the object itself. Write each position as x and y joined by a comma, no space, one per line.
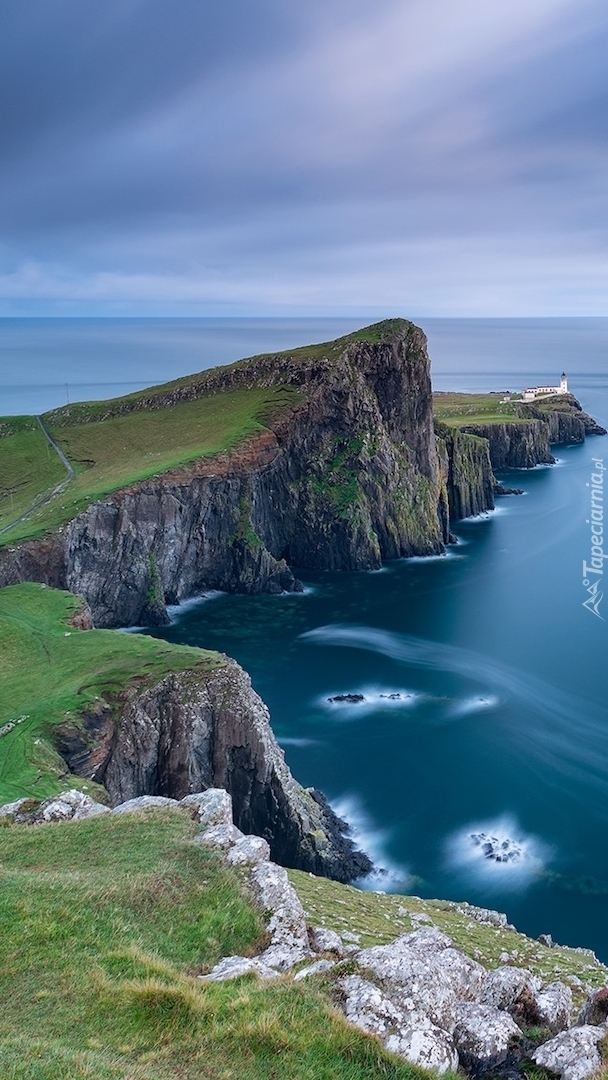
517,444
204,729
345,476
467,471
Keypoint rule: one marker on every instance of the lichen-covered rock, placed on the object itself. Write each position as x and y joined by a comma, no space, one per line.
554,1005
423,1043
143,802
19,811
211,807
366,1007
573,1054
324,940
248,851
411,1035
69,805
595,1008
483,1035
222,837
287,924
423,972
503,986
233,967
314,969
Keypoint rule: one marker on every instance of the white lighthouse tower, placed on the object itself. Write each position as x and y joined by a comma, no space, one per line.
563,383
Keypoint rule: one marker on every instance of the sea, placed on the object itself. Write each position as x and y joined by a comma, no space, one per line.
473,762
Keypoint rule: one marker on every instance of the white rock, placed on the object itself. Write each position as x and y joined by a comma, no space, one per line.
143,803
70,805
595,1009
423,972
554,1004
483,1034
502,987
211,807
350,938
324,940
249,851
232,967
11,809
368,1008
572,1054
314,969
422,1043
223,837
287,925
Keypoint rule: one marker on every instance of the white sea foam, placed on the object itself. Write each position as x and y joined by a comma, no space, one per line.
474,704
175,611
497,854
287,740
386,876
368,699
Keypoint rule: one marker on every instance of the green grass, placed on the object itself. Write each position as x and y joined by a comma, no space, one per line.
379,917
29,467
456,409
50,671
109,454
104,925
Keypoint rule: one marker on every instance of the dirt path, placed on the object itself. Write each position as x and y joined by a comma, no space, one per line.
45,498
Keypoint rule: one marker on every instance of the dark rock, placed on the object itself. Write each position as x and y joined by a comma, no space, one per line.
500,489
351,698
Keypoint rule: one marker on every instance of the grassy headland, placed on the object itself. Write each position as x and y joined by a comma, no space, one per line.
114,443
50,671
104,926
458,409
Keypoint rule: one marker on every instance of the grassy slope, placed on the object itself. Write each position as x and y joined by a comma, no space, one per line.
104,925
379,917
109,452
49,670
457,409
28,466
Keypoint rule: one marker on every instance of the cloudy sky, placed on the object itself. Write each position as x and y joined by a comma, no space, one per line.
434,157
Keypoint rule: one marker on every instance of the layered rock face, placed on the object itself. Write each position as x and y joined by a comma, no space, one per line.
468,473
346,477
199,730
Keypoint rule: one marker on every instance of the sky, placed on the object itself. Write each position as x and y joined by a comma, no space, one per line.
260,157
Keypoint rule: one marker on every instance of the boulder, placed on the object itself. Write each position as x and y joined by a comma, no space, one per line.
573,1054
67,806
503,986
248,851
211,807
287,925
18,811
422,1043
323,940
554,1006
411,1035
223,837
233,967
143,802
483,1035
422,972
595,1009
314,969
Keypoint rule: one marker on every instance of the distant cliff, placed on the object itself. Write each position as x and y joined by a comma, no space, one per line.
349,478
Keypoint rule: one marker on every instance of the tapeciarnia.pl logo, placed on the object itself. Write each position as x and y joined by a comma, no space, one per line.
594,570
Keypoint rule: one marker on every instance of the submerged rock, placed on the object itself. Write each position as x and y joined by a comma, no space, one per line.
351,699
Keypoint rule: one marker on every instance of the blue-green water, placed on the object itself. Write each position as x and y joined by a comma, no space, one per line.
502,723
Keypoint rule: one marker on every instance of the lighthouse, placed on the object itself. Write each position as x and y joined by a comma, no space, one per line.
563,383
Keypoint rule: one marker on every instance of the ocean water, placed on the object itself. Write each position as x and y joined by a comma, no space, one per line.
483,728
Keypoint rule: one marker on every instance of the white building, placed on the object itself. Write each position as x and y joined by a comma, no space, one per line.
533,392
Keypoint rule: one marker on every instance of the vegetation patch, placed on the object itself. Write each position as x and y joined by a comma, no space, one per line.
51,672
105,925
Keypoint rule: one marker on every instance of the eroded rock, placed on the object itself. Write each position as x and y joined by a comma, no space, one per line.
143,802
211,807
483,1035
573,1054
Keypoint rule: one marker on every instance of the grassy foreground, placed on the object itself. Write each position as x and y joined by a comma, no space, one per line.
104,925
50,671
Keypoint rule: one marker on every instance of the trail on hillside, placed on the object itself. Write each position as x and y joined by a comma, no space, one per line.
59,487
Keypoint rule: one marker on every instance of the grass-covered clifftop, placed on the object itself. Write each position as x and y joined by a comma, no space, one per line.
51,671
104,926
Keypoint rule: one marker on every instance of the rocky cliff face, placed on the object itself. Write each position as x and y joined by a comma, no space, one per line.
347,478
515,445
196,731
467,469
